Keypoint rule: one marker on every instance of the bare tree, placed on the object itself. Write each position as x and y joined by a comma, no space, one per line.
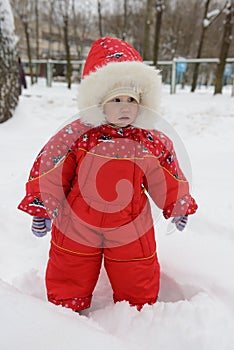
160,7
23,9
147,29
9,69
201,41
208,19
128,16
125,20
114,20
99,6
178,23
226,42
75,31
48,6
64,7
37,35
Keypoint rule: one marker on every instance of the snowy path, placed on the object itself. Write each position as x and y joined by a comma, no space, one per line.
195,308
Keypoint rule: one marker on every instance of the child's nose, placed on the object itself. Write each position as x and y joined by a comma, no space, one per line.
124,106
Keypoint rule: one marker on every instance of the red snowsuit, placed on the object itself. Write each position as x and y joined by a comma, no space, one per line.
93,183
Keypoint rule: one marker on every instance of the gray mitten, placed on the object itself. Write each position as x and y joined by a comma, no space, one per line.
180,222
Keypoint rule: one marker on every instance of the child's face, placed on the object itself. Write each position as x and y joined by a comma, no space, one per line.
121,110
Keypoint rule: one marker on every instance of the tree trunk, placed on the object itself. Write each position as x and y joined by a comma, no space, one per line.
100,18
51,10
10,87
199,51
124,33
227,38
37,37
159,12
147,27
76,35
26,31
67,49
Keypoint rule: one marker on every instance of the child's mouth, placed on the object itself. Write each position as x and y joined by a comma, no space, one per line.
123,118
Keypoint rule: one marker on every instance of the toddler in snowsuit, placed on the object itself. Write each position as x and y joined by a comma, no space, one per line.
92,180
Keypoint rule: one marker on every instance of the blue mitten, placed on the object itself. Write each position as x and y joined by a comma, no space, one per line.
40,226
48,223
180,222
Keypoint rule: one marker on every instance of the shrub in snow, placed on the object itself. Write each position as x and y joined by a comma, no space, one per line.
9,70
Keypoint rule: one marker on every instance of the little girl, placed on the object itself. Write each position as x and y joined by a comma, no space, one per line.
92,177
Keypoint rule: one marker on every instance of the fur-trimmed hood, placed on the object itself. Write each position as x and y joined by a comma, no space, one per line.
112,64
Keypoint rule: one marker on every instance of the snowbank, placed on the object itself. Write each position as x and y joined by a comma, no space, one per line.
195,307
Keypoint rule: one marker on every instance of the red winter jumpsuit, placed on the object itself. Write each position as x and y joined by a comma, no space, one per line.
93,183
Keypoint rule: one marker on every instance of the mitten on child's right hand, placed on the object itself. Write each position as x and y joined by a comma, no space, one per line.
180,222
40,226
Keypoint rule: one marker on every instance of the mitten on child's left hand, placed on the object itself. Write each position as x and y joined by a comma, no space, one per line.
40,226
180,222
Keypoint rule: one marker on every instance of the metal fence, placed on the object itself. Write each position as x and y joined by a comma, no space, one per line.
177,71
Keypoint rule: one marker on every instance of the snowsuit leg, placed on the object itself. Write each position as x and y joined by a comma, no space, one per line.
72,274
134,271
73,270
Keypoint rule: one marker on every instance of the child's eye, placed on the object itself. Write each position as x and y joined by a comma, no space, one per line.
131,99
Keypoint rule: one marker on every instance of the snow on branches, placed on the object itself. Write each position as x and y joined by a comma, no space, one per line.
9,72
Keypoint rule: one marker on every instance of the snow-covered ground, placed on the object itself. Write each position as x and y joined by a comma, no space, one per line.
195,308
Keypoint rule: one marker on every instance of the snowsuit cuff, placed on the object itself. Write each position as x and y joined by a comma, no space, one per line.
76,304
33,205
183,207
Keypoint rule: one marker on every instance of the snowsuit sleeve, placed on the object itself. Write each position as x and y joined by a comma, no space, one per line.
166,183
52,172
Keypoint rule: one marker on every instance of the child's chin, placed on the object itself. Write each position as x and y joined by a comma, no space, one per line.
123,122
122,125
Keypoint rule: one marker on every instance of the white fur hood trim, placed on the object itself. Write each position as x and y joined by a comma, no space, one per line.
95,86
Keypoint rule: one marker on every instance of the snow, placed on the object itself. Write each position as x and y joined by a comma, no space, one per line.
210,17
227,8
213,13
206,22
195,307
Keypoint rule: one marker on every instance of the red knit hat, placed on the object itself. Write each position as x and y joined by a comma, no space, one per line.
114,65
106,50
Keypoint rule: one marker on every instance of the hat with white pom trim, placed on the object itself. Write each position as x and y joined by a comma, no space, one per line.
114,68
